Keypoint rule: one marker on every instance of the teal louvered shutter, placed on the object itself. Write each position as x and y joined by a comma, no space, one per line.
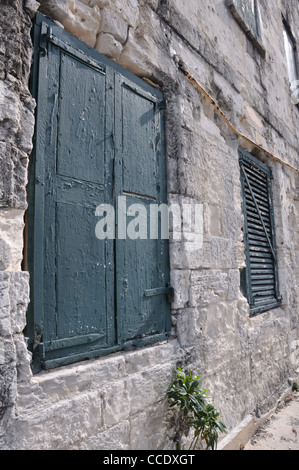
99,135
260,279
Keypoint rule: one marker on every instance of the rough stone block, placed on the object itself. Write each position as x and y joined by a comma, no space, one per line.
188,327
16,132
32,6
5,323
208,286
128,10
141,55
79,19
214,220
115,438
13,167
19,301
116,404
113,24
7,387
106,44
180,281
154,428
23,359
14,299
11,239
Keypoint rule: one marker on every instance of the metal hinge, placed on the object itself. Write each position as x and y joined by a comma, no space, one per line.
46,37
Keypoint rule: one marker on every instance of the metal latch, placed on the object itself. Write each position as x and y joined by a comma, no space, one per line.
160,291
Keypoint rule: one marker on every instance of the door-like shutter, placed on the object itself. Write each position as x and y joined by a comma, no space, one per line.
261,273
72,273
142,264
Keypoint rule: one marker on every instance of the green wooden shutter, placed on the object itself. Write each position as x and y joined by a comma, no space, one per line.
73,285
261,275
99,135
141,179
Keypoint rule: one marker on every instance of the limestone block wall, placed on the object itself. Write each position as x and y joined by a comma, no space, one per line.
101,24
16,131
246,363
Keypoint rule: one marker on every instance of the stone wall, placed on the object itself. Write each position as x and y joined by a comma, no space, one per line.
16,131
119,402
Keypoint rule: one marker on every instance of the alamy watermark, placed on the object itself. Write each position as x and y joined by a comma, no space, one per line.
179,222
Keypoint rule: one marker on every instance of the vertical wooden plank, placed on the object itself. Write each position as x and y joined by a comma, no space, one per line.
51,90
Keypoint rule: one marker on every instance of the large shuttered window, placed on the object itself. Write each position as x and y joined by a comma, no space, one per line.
99,139
260,278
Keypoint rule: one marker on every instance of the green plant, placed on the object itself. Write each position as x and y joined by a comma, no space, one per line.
196,410
295,387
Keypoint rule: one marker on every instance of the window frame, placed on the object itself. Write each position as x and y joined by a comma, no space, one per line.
253,36
246,276
288,36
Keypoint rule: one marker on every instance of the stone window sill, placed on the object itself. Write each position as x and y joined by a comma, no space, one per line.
252,36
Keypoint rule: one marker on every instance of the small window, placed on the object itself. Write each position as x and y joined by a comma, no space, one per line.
246,14
290,50
249,12
260,278
245,11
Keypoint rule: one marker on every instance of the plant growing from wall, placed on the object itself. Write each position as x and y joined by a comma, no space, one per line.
195,410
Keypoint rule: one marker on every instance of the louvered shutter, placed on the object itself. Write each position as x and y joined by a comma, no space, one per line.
261,276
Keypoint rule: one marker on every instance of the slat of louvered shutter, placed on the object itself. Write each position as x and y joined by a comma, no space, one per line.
262,277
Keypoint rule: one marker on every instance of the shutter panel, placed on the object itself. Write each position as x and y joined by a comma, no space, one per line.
75,277
142,264
262,276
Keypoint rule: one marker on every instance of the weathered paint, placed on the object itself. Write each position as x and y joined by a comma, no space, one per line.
99,135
